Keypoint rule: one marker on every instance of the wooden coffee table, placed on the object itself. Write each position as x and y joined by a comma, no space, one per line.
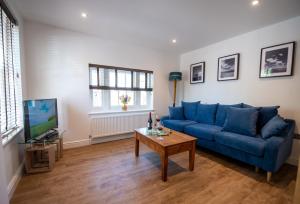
174,143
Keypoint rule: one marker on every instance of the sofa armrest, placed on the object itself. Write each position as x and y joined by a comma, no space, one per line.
278,148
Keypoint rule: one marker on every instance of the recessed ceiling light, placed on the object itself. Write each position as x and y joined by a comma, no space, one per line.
84,15
174,41
255,2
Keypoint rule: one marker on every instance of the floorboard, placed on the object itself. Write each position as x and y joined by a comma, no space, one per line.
110,173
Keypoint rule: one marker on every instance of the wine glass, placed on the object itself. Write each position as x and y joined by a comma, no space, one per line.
158,126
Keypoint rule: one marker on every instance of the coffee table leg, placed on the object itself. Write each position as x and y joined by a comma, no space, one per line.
192,156
137,146
164,167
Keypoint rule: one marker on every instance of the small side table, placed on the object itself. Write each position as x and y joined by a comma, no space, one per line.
39,158
40,155
59,148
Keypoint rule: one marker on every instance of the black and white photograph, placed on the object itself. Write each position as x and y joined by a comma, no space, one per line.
228,67
277,61
197,73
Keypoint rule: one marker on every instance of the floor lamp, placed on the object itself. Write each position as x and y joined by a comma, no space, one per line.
175,76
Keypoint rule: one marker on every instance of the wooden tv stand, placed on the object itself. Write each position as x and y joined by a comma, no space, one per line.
41,156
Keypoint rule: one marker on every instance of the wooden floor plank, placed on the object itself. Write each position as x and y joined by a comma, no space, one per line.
110,173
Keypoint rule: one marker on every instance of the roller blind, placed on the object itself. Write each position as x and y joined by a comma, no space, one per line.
10,80
119,78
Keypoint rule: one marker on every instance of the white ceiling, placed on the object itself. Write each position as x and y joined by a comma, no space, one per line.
153,23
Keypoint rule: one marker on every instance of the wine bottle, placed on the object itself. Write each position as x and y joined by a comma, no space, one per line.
149,122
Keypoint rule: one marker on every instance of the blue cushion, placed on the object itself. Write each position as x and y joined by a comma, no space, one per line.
244,105
177,125
266,114
190,109
202,131
222,113
176,113
274,127
206,113
251,145
163,118
241,121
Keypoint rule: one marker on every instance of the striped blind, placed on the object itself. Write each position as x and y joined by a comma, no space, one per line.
119,78
10,76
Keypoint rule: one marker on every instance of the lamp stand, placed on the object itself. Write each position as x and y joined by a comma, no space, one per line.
175,87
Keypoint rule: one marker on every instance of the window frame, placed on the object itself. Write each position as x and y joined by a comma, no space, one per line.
8,13
107,89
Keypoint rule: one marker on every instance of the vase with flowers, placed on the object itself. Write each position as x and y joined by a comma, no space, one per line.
125,100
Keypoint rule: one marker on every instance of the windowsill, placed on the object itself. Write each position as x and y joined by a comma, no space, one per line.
119,112
7,139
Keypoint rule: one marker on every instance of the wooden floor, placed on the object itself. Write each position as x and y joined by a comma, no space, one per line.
110,173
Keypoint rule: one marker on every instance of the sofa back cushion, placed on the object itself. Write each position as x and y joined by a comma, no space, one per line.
275,126
190,109
206,113
222,112
241,120
176,113
245,105
266,114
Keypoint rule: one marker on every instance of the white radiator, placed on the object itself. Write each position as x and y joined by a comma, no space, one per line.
116,124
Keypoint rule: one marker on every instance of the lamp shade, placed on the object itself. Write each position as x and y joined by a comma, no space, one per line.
175,76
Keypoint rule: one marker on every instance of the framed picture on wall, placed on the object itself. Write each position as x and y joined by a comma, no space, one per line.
197,73
228,67
277,61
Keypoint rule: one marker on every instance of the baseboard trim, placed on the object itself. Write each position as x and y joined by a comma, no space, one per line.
77,143
86,142
15,180
111,138
293,161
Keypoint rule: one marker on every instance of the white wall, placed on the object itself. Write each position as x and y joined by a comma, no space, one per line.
57,66
249,88
3,186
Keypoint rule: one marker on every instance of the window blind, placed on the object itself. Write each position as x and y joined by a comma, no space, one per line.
120,78
10,81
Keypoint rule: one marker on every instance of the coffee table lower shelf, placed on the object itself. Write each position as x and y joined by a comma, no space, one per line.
172,144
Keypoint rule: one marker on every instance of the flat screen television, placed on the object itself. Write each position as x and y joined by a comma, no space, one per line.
40,116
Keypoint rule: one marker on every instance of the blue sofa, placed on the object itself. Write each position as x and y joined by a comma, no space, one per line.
208,127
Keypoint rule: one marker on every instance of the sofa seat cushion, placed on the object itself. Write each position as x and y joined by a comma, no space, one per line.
202,131
177,125
251,145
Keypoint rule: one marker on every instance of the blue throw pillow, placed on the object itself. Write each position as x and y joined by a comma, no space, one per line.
266,114
244,105
241,121
273,127
206,113
190,109
176,113
222,112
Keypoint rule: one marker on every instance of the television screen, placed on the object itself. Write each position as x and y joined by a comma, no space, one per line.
40,117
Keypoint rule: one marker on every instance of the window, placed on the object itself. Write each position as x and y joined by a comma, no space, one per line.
10,76
108,84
